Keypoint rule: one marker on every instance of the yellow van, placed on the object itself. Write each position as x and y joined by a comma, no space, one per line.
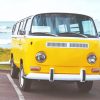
56,47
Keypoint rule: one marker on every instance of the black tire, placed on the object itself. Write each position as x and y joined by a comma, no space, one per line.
14,70
25,84
85,86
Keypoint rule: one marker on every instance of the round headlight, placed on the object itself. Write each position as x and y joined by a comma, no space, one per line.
91,59
40,57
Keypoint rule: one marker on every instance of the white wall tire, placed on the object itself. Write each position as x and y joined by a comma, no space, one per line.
14,70
25,84
21,79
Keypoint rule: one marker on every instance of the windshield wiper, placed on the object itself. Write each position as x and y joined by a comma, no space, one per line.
42,34
91,36
71,34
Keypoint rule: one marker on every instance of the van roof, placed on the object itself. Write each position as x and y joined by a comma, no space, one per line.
61,13
54,13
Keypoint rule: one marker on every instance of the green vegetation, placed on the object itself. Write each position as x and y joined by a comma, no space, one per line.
4,67
4,56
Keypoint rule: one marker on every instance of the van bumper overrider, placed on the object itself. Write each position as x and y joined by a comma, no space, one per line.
82,77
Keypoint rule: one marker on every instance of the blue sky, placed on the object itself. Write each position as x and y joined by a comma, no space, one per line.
12,10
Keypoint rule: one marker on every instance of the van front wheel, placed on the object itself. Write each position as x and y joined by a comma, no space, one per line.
85,86
25,84
14,70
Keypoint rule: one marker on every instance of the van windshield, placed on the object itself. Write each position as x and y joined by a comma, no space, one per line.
65,25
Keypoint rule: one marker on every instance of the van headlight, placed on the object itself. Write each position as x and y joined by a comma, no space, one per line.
40,56
91,59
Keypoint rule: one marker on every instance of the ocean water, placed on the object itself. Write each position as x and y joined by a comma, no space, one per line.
5,39
5,33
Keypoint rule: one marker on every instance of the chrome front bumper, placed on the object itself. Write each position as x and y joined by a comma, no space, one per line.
82,77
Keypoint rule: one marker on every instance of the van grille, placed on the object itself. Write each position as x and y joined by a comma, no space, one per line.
66,45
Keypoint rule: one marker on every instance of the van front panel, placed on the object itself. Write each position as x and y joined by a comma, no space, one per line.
66,55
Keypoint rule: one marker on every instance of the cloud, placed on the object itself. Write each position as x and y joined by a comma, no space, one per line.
18,9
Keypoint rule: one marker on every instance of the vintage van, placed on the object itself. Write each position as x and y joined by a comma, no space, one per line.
56,47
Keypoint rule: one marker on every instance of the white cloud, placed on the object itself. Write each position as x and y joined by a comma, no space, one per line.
17,9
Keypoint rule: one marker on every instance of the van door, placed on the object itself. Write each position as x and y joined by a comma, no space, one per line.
21,35
24,30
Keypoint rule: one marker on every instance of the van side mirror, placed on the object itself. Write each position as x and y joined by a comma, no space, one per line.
22,32
99,34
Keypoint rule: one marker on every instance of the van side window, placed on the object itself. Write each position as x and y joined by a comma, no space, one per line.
21,27
13,29
28,24
24,24
16,29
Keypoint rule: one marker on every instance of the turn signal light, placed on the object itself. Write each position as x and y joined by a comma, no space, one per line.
95,69
36,68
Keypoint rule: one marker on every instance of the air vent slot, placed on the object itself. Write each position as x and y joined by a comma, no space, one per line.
55,44
78,45
67,45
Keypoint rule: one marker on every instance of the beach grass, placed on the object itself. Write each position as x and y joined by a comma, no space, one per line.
4,56
4,67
